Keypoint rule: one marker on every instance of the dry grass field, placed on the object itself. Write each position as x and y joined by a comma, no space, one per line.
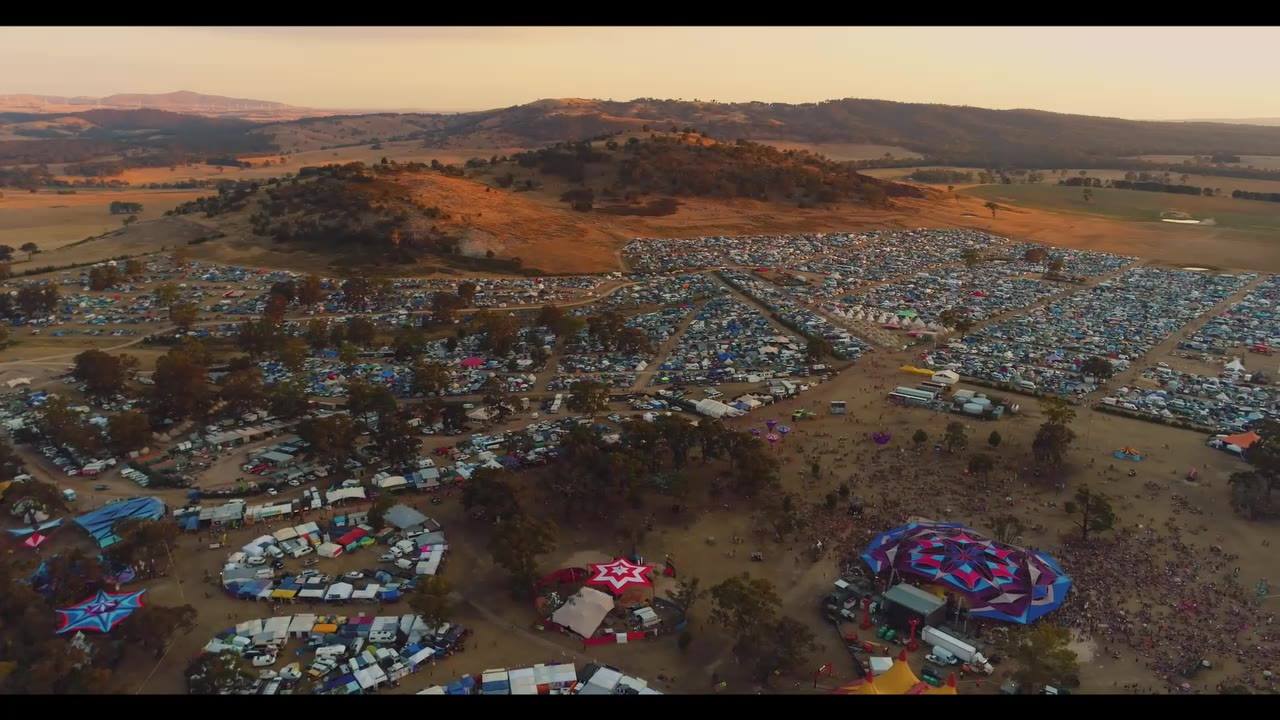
52,221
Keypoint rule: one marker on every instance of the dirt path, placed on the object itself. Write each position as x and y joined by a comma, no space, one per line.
1170,343
660,356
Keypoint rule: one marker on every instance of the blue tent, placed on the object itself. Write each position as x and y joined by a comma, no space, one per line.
464,685
42,527
99,523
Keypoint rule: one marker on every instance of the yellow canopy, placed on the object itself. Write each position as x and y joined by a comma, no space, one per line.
897,680
283,594
915,370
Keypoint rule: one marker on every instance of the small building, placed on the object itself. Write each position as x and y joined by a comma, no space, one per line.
839,407
902,602
403,517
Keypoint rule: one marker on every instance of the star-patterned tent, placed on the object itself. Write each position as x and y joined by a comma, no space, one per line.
100,613
995,581
618,575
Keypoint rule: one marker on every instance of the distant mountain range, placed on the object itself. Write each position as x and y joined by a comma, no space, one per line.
943,134
1241,121
183,101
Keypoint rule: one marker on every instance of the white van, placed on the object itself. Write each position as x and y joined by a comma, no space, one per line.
331,651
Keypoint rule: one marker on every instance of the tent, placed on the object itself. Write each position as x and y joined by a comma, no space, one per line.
99,613
404,517
1243,440
584,611
1128,453
996,581
618,575
35,540
897,680
339,591
99,523
329,550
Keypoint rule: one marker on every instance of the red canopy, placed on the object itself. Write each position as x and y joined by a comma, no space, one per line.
472,362
35,540
618,575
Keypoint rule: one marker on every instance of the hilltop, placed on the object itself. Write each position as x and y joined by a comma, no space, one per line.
536,212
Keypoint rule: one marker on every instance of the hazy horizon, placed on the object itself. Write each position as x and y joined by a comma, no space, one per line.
1140,73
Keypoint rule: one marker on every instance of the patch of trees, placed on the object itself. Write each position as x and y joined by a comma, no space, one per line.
1246,195
1082,181
118,207
940,176
1251,490
227,161
1160,187
653,208
103,374
232,196
27,178
746,170
30,301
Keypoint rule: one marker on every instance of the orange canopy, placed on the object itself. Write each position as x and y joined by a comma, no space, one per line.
897,680
1243,440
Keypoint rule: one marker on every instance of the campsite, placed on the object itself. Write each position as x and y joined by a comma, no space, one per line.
840,358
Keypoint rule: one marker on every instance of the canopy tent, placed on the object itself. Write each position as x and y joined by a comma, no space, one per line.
618,575
1128,453
35,540
99,613
584,611
1243,440
897,680
43,527
996,581
99,523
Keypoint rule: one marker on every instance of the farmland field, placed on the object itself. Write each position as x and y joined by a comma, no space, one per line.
1264,162
1254,217
844,151
52,221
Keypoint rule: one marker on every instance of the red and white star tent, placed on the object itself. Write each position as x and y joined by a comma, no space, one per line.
618,575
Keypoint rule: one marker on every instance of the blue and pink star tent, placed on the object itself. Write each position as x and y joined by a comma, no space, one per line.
995,580
100,613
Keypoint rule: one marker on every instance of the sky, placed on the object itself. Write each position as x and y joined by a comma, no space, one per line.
1140,73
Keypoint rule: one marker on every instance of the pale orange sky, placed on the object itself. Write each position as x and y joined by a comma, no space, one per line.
1147,73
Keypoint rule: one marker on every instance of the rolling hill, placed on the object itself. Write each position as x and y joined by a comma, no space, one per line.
564,208
182,101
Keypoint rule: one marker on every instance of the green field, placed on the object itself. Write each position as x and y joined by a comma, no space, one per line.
1136,205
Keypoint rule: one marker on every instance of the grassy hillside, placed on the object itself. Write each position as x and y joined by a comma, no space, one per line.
943,132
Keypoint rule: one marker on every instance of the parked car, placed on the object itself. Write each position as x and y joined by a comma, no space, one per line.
353,575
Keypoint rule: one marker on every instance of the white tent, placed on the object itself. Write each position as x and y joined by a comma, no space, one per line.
339,591
1235,366
583,612
329,550
946,377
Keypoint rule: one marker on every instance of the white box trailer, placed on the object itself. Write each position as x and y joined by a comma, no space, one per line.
956,646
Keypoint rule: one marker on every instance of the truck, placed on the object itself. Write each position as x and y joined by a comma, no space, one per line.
69,495
955,646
